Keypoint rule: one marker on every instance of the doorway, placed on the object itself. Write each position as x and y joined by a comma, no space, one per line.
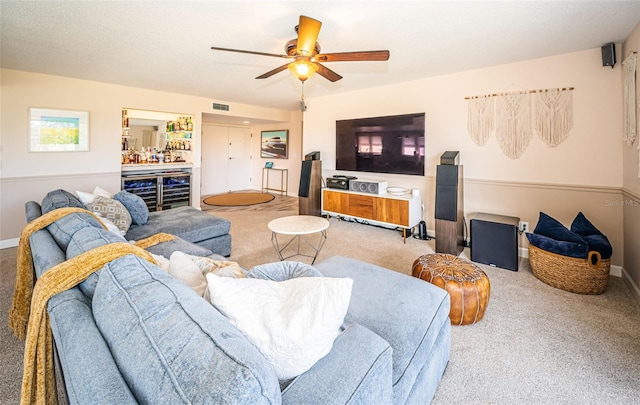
226,159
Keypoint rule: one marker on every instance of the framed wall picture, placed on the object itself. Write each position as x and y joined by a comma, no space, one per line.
58,130
274,144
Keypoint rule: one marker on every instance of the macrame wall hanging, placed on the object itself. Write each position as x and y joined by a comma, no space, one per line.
553,115
513,123
630,128
514,116
481,119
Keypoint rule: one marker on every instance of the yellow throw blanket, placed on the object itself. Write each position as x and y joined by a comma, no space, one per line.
25,275
28,316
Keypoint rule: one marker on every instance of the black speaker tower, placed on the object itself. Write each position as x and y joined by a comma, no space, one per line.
309,201
449,206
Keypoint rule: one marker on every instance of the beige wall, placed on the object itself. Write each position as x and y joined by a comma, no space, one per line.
583,173
26,175
294,155
631,185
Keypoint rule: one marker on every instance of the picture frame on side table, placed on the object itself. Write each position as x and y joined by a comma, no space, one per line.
274,144
53,130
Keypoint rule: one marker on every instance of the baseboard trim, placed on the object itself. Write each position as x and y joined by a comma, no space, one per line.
633,288
9,243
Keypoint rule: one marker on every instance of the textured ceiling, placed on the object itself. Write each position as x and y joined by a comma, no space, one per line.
166,45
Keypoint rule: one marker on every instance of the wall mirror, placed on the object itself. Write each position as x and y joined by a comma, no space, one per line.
148,131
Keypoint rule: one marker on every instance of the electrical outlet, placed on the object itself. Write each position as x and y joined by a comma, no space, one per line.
523,226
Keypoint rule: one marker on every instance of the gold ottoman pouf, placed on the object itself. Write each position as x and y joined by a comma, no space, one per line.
467,285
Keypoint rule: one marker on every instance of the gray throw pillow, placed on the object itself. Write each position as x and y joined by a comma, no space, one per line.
135,205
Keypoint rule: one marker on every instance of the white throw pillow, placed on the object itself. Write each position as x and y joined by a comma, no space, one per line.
102,192
111,227
293,323
162,262
185,270
191,270
85,198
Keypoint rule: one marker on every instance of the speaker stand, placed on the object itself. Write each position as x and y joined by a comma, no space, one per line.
449,236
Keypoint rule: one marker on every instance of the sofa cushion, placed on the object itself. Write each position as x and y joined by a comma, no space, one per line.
174,345
362,377
412,326
189,223
564,248
293,323
84,240
597,240
178,245
135,205
63,228
90,372
58,199
113,210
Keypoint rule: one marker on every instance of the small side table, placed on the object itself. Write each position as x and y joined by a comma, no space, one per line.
298,226
284,180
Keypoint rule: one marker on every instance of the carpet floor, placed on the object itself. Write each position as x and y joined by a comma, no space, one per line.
535,345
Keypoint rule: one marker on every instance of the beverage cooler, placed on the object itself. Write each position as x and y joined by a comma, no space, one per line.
160,190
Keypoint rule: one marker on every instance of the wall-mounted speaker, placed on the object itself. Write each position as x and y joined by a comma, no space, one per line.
609,54
369,187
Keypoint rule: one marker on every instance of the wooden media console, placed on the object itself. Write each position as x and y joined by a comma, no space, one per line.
387,210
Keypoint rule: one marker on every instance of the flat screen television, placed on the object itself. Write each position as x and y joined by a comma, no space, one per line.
391,144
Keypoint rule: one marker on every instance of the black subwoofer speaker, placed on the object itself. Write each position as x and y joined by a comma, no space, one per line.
446,206
494,240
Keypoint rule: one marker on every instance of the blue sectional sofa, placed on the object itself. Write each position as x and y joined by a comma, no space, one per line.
131,333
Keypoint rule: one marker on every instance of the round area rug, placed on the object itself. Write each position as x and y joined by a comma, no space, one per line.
238,199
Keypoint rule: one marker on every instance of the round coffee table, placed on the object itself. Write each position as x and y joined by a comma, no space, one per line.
298,226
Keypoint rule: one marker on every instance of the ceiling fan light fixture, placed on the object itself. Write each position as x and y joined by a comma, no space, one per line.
303,68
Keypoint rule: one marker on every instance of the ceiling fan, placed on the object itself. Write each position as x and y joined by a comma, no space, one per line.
305,52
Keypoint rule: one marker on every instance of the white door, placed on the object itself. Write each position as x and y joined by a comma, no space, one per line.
226,159
239,168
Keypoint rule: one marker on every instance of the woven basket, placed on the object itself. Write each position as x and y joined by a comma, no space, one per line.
582,276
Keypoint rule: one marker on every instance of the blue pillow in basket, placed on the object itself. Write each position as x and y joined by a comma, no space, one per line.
552,236
595,239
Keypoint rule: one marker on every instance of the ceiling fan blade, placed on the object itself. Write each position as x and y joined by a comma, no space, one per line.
308,31
215,48
273,72
353,56
328,73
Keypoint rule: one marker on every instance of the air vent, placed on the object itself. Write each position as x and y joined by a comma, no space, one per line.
220,107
